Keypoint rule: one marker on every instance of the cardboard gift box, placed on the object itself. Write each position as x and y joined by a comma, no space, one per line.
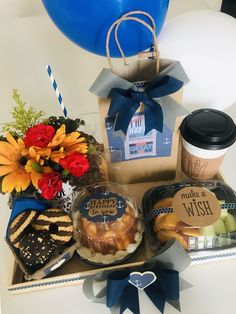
140,157
138,105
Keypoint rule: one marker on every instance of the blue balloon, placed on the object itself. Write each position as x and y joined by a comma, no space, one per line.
86,23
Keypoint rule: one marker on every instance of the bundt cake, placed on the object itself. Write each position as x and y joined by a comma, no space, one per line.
106,233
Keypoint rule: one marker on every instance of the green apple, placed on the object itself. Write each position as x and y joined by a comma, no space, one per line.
224,213
219,226
230,223
207,231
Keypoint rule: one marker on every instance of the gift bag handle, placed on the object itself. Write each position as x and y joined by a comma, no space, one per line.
118,25
127,17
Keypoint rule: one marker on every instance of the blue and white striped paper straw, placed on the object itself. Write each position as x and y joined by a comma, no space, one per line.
55,87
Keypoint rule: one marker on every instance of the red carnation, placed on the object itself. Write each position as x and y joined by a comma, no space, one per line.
76,163
39,135
50,184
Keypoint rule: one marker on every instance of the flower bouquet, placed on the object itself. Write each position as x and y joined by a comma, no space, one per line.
43,162
39,157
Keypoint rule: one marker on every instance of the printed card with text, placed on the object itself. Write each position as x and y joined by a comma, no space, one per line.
136,144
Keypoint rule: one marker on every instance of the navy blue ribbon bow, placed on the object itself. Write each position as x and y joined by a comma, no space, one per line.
124,103
121,291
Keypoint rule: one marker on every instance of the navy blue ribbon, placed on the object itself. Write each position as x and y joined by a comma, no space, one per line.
120,291
124,103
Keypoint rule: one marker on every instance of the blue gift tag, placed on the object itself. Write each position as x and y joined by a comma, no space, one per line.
103,207
142,280
136,144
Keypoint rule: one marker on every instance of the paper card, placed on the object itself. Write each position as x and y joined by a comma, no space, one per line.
137,145
142,280
196,206
103,207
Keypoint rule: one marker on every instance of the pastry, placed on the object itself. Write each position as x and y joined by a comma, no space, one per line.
108,227
164,236
36,248
58,223
168,225
19,224
108,238
200,215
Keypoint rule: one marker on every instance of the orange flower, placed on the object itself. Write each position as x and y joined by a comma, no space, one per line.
74,143
58,137
37,154
35,175
12,164
57,155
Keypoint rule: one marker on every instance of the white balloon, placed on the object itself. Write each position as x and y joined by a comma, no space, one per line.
205,43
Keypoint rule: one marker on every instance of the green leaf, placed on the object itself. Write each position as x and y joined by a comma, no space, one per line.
36,167
22,118
91,149
65,172
71,124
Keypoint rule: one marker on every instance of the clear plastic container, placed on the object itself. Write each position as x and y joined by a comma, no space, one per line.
164,223
107,223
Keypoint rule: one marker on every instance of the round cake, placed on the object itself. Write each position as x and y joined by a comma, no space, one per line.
107,226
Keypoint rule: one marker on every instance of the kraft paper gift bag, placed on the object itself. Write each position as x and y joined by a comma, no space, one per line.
139,106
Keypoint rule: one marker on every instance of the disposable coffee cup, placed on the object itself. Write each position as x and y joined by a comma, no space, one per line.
207,134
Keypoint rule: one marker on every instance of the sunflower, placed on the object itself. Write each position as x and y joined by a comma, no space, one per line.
12,165
36,172
74,143
58,137
57,155
39,155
